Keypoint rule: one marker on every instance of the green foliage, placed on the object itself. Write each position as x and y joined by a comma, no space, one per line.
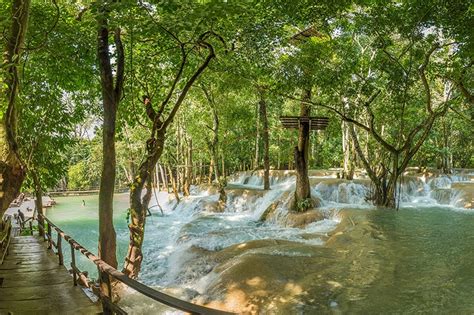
303,205
78,176
357,48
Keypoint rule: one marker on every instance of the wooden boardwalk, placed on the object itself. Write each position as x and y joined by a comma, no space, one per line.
32,281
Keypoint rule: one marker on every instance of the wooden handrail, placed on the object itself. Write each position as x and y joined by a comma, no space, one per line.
5,241
30,225
114,273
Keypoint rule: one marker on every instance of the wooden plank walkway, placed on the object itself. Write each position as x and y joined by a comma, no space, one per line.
32,281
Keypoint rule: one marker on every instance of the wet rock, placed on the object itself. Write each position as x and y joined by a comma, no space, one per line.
269,212
269,277
213,206
302,219
285,277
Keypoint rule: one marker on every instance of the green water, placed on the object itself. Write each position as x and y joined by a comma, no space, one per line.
425,263
81,222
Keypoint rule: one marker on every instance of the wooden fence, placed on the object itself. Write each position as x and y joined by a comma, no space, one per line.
109,305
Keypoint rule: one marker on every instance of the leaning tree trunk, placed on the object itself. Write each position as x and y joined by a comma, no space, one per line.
12,171
301,154
139,206
155,146
265,138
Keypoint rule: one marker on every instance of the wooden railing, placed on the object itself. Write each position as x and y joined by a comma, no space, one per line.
104,268
27,225
5,238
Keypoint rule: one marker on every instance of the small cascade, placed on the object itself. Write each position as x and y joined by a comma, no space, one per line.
341,192
255,178
433,191
440,182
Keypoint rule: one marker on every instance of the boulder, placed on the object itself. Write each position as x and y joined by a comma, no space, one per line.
302,219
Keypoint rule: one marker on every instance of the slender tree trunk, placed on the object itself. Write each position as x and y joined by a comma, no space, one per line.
257,136
111,93
266,142
174,185
164,178
12,171
348,152
278,153
303,191
38,200
223,172
211,170
187,169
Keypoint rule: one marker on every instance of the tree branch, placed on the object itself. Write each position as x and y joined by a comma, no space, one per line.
189,84
424,80
184,58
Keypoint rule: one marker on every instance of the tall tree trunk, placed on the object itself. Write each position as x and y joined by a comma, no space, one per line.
187,168
278,153
38,200
12,170
211,170
174,185
265,138
111,94
223,171
164,178
213,144
256,161
348,152
303,191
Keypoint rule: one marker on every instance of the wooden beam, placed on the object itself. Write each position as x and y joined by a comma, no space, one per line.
294,122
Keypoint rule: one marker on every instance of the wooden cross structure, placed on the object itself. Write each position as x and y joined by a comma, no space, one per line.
294,122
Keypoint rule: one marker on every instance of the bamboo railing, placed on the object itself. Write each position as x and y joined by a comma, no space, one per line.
108,304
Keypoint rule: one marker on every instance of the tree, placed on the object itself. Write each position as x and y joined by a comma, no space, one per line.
12,169
161,116
111,95
391,73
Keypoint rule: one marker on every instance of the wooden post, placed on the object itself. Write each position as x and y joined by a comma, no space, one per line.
31,227
106,291
49,237
60,250
73,265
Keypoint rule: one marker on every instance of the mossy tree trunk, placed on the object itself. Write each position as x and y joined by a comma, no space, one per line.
12,170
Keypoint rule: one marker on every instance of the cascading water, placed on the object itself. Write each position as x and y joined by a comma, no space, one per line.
432,191
194,223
